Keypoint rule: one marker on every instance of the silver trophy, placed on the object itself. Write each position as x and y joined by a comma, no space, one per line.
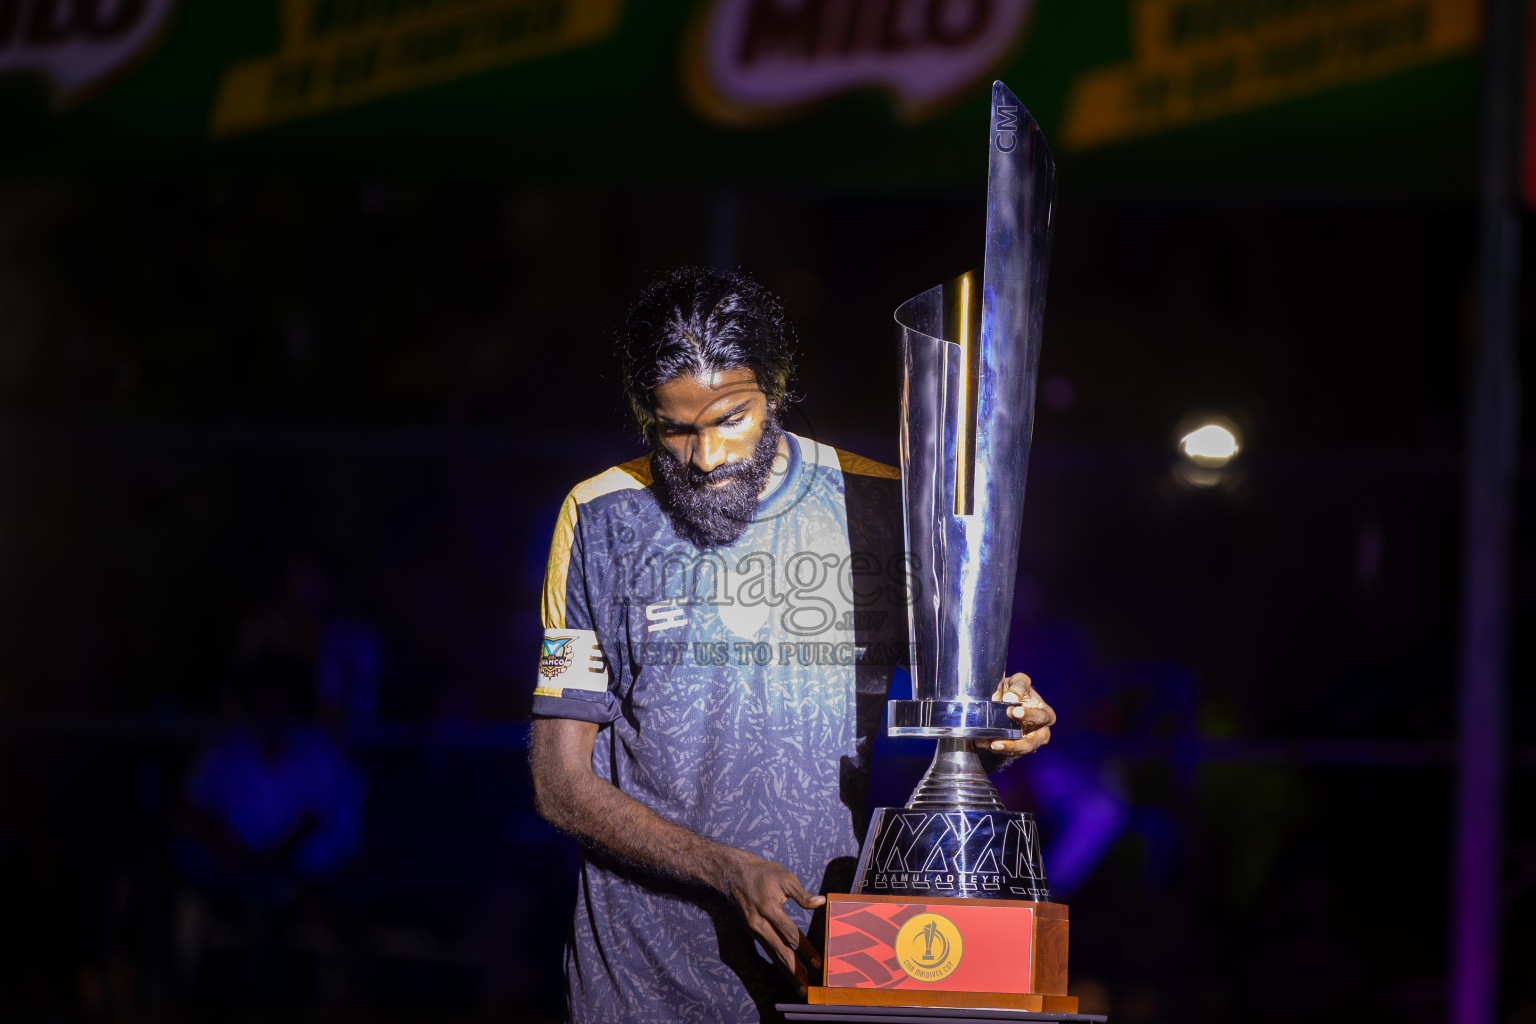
971,352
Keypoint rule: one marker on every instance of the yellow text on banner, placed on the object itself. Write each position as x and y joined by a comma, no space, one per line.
1199,59
340,53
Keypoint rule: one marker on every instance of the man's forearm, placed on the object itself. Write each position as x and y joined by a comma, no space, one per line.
581,803
571,797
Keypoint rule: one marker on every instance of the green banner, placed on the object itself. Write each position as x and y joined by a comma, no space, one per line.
1131,93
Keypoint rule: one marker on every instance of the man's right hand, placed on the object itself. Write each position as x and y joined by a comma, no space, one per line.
760,888
572,798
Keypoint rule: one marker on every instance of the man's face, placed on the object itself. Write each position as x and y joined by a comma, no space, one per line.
711,420
719,437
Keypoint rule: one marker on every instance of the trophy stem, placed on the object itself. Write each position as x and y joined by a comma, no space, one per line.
955,781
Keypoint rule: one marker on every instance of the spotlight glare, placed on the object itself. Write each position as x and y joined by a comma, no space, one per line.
1210,445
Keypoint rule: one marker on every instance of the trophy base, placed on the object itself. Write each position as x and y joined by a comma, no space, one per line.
950,952
952,719
1028,1002
951,1013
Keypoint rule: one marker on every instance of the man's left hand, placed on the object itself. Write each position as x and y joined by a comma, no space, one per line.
1032,713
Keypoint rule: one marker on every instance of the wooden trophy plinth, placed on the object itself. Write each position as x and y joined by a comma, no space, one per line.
941,951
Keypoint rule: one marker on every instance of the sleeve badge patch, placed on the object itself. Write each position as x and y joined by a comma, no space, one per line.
571,659
555,658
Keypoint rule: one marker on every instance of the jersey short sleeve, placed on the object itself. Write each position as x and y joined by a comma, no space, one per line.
573,679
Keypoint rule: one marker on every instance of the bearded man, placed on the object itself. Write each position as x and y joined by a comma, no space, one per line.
722,617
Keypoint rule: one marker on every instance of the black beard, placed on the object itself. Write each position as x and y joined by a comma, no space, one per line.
710,514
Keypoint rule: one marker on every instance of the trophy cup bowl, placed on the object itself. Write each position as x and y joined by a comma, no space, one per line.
954,871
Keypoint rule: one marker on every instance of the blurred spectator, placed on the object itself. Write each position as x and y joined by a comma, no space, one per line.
271,811
272,802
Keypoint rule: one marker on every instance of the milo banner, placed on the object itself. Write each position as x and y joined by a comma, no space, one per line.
1226,90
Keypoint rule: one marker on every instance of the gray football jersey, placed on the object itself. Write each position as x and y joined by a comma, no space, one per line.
738,690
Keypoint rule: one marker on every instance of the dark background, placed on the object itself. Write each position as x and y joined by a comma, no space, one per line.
396,374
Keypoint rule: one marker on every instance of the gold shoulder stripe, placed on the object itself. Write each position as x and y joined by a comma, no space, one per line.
639,468
558,568
630,476
861,466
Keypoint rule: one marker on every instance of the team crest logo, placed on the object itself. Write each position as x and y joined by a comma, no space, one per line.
928,947
556,656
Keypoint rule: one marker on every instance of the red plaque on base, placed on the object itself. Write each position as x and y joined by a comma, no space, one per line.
937,951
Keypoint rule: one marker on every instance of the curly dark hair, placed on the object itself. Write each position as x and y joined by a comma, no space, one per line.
704,321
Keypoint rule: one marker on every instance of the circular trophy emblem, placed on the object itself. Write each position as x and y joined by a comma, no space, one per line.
928,947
